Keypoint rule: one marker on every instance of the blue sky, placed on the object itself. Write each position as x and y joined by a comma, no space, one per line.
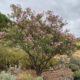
68,9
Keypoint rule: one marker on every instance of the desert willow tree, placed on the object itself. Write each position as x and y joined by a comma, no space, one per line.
40,35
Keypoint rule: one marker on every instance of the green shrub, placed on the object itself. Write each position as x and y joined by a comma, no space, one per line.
74,67
52,63
75,60
6,76
3,57
77,75
4,20
13,56
19,56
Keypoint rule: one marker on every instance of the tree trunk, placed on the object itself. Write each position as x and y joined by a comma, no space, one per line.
38,72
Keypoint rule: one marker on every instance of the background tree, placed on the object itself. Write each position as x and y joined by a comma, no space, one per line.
4,20
40,35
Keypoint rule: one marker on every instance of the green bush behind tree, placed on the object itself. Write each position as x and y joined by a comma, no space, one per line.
4,20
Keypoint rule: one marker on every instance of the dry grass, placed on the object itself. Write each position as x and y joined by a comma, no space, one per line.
77,53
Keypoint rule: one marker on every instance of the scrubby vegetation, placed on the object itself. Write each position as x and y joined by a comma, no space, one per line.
14,56
77,75
6,76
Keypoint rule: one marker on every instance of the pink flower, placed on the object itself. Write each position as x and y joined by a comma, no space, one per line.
32,43
8,24
25,44
29,37
47,45
34,49
12,39
49,12
57,44
47,25
40,47
60,42
23,14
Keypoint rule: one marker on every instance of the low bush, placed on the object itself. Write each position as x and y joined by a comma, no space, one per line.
74,67
13,56
52,63
75,60
6,76
77,75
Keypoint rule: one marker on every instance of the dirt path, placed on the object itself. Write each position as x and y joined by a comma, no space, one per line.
59,74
